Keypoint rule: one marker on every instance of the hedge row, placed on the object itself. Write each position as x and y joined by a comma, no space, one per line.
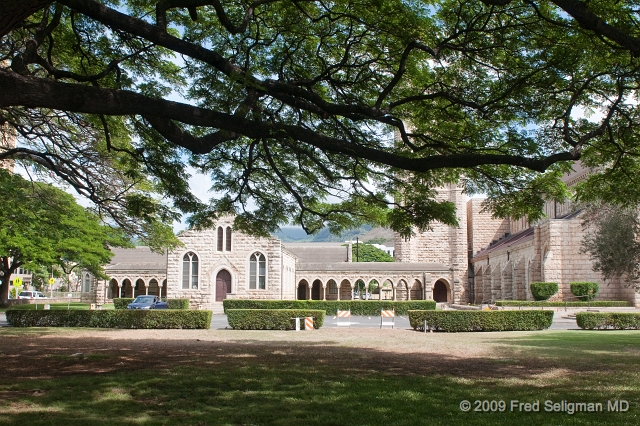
272,319
595,304
122,302
357,307
605,320
111,318
456,321
585,290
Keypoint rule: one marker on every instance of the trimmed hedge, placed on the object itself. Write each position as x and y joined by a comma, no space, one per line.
271,319
457,321
357,307
543,291
178,304
121,318
121,302
584,289
608,320
595,304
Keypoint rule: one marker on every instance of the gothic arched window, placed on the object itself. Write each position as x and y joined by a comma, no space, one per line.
228,247
190,271
257,271
220,238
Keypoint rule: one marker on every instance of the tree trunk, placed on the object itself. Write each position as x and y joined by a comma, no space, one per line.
15,11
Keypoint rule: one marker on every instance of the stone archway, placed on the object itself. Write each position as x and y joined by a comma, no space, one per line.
302,290
223,285
113,289
127,289
416,290
441,291
316,290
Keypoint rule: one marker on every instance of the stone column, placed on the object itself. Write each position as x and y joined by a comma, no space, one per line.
310,287
324,291
338,290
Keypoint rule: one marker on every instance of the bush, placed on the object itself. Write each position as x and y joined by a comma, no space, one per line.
456,321
608,320
121,302
559,303
111,318
543,291
178,304
271,319
584,290
331,307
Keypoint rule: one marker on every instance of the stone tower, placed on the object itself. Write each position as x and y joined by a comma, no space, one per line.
444,244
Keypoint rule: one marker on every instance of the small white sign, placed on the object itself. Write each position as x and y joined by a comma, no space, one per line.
70,295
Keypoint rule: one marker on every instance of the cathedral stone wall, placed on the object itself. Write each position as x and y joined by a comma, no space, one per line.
236,261
482,229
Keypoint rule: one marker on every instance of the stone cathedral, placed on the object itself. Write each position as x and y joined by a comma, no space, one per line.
481,261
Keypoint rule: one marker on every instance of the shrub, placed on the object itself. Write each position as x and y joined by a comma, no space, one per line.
271,319
121,302
606,320
456,321
178,304
559,303
331,307
585,290
543,291
111,318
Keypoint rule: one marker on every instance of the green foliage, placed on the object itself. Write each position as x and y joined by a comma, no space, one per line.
272,319
369,253
585,290
572,304
543,290
110,318
178,304
121,302
331,307
43,225
608,320
612,240
463,321
297,125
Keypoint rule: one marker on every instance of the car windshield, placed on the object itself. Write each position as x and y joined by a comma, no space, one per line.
144,299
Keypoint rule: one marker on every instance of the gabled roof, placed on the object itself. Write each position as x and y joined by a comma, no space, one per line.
137,258
318,252
509,241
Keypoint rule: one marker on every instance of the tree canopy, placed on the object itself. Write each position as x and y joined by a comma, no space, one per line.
42,226
290,106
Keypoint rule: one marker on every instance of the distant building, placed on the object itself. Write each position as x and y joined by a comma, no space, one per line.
481,261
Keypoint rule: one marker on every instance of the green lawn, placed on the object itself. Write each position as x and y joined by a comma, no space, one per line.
325,377
59,306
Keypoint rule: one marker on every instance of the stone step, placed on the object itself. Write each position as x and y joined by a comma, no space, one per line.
217,308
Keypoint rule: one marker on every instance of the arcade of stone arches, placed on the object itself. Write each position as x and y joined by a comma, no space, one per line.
346,289
126,287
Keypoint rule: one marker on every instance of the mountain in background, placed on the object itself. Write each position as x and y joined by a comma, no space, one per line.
366,234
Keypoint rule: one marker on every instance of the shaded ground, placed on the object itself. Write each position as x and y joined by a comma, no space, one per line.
53,353
326,376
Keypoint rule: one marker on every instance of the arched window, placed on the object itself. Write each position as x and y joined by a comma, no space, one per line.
220,238
190,271
257,271
228,248
87,283
333,287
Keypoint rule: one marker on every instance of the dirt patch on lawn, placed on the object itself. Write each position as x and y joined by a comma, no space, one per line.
55,353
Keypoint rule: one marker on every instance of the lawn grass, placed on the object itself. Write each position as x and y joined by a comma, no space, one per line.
60,306
324,377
